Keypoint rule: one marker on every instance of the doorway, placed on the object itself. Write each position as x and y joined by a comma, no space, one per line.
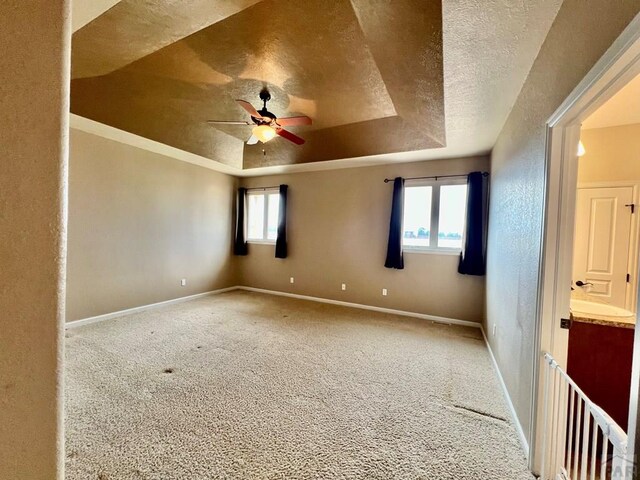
604,279
619,65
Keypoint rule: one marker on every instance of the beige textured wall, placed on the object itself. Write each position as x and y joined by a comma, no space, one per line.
612,154
34,92
581,33
338,225
139,222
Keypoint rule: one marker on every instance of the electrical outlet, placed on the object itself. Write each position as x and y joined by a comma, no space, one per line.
384,292
291,280
183,282
494,329
344,286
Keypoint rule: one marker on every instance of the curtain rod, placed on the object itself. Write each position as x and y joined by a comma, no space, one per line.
435,177
264,188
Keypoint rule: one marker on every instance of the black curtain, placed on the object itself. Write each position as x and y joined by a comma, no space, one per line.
394,247
281,241
473,259
240,241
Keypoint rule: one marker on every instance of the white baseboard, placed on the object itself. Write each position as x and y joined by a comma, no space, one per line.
433,318
512,410
129,311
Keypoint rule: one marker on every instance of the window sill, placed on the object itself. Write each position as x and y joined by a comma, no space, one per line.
262,242
433,251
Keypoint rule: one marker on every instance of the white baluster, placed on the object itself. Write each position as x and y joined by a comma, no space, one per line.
554,425
576,455
594,449
603,457
571,430
586,419
545,416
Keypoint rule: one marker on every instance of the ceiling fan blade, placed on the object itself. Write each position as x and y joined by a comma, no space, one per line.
227,122
289,136
249,108
252,140
292,121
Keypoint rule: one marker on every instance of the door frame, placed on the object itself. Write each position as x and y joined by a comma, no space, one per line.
631,300
619,64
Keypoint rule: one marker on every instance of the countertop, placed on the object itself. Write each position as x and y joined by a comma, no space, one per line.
621,322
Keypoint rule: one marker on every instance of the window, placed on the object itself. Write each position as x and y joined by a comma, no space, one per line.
434,215
263,208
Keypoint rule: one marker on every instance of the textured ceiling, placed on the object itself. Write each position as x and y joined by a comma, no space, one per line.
83,11
488,47
621,109
133,29
368,72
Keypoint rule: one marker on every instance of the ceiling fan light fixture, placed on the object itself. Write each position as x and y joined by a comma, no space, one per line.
264,133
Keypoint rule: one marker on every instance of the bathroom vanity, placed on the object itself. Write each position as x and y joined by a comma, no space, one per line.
600,355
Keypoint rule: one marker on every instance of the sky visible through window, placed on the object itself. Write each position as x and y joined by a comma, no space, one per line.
256,216
451,216
272,222
417,216
453,199
256,213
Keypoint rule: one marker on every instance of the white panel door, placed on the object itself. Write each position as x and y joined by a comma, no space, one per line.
601,245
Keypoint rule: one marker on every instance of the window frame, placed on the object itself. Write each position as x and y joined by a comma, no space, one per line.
264,192
434,228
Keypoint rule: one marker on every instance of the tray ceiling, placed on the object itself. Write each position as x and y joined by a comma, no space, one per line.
369,73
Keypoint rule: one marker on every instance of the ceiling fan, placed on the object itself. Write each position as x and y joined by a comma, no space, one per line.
267,125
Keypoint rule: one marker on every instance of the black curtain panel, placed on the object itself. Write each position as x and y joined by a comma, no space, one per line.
281,242
394,247
240,240
473,258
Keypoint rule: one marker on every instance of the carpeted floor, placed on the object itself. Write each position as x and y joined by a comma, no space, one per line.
244,385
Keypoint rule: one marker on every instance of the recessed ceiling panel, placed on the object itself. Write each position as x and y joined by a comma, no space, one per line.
330,77
133,29
369,74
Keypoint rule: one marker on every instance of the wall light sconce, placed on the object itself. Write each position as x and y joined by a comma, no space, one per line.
581,150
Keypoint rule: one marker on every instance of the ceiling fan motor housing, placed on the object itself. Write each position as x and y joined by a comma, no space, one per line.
265,96
265,115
